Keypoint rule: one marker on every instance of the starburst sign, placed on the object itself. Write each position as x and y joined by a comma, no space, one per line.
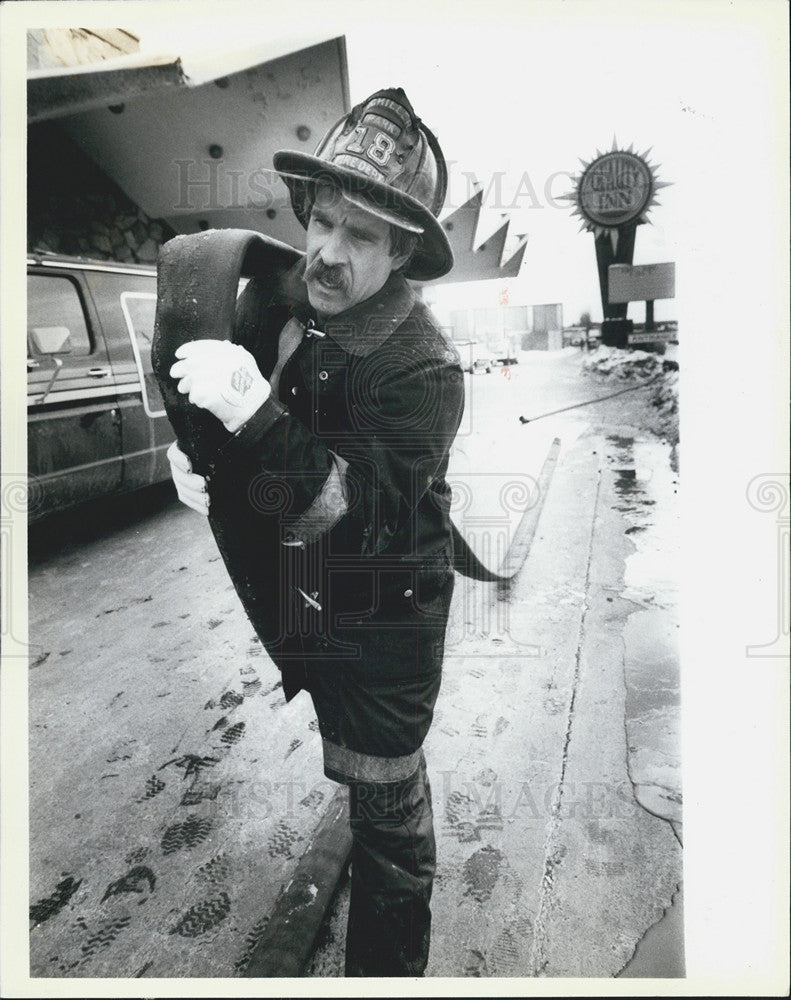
613,190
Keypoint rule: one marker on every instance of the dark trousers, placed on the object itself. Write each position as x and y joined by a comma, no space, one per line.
374,711
393,864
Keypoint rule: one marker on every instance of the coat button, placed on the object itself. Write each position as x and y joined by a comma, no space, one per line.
294,391
407,593
323,376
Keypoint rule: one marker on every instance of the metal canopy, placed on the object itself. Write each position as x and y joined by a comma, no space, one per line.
191,140
77,88
482,262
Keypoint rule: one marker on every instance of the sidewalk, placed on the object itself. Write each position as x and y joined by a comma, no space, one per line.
558,831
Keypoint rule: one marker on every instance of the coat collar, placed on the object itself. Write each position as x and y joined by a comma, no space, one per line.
364,327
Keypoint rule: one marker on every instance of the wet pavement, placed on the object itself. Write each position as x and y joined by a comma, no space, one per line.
171,788
173,791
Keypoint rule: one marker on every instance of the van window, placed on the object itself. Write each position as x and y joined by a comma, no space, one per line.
55,317
139,309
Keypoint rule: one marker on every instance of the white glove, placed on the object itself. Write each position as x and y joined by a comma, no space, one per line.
191,487
222,378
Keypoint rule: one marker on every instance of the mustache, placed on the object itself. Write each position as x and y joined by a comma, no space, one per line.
331,275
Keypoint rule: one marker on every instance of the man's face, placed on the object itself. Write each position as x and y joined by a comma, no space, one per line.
348,253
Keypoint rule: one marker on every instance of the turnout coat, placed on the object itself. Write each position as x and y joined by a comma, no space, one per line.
348,548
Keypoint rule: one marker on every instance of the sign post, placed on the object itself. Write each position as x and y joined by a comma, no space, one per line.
613,195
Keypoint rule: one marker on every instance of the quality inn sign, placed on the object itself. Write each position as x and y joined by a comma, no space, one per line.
613,190
613,194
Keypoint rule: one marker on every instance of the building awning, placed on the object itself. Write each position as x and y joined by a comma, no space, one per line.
190,139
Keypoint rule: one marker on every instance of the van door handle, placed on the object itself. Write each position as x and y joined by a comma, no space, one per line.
31,364
98,372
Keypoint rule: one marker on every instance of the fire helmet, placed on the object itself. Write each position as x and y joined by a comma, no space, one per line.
387,162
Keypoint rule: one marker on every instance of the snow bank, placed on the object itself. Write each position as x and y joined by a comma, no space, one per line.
656,409
622,364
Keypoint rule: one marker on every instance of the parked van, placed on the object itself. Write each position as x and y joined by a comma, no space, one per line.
96,420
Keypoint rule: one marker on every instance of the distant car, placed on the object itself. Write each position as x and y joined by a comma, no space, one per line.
482,365
594,338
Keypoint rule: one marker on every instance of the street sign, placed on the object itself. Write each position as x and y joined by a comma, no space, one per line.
647,338
641,282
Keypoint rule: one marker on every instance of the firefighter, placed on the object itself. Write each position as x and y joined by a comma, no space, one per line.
347,413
